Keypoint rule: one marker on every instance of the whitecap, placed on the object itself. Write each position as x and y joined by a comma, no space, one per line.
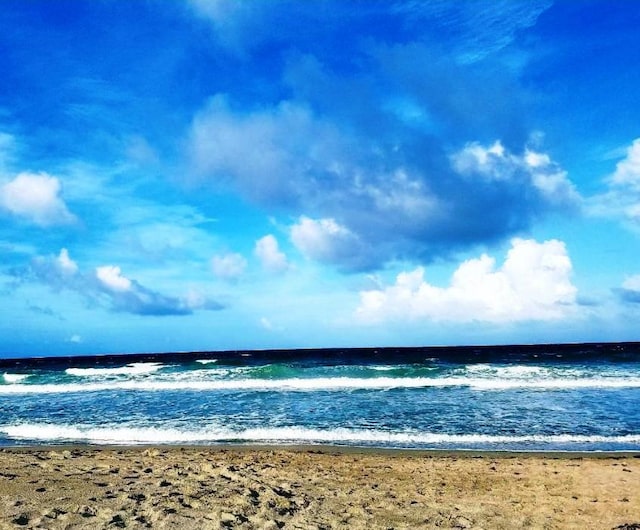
14,378
129,369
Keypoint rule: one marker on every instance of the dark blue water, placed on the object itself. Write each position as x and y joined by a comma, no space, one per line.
543,398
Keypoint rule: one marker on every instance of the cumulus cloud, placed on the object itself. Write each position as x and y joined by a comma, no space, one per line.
228,266
272,155
391,200
130,297
59,272
36,197
390,143
630,290
533,283
127,295
268,252
327,241
622,199
627,171
111,278
107,286
75,339
65,263
533,168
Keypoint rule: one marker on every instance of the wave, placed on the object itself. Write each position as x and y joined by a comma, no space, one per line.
323,384
150,435
14,378
206,361
129,369
510,372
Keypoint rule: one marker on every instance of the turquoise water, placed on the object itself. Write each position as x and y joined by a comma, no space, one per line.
543,398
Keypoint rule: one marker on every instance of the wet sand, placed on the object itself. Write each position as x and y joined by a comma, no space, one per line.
304,488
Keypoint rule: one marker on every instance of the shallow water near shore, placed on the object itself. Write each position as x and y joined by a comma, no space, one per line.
542,398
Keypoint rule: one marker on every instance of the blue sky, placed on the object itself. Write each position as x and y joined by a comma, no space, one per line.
218,174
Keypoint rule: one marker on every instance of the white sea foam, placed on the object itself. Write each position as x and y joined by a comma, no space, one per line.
206,361
150,435
14,378
510,372
322,384
129,369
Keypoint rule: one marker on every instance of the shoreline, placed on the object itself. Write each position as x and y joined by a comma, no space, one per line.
313,487
331,449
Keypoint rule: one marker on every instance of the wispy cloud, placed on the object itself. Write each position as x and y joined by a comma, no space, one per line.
228,266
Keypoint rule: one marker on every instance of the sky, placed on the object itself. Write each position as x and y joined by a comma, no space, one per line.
229,174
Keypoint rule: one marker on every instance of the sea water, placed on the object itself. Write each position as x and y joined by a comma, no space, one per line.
535,398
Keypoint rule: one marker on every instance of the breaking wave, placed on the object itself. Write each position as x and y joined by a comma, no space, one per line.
291,435
321,384
130,369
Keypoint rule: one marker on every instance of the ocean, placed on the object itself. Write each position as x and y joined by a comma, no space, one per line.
578,397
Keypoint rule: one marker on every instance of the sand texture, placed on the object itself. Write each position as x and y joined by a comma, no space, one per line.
202,488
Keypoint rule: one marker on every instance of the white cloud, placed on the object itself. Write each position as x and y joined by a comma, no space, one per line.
495,163
632,283
36,197
238,25
228,266
7,148
269,254
111,277
327,241
65,263
139,151
622,199
267,154
402,197
394,199
630,290
266,323
106,285
490,162
75,339
627,172
533,284
535,159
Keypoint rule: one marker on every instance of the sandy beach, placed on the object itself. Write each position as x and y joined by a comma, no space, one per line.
304,488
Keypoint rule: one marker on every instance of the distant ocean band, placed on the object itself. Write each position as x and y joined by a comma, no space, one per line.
517,398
